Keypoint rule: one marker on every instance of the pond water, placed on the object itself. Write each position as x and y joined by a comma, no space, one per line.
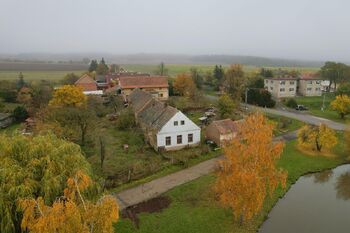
316,203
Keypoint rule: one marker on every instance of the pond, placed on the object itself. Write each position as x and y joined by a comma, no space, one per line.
317,203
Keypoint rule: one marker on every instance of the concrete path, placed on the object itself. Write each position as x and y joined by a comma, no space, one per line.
158,186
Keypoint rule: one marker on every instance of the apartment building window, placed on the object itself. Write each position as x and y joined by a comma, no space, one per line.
291,82
291,89
179,139
309,82
271,81
309,89
161,95
282,90
282,82
266,81
271,88
167,141
182,122
318,89
318,82
190,137
176,123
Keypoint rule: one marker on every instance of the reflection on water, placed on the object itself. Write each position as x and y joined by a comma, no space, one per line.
316,203
343,186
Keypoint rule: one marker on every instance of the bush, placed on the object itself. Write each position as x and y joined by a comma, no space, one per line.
20,113
291,103
261,98
9,96
126,119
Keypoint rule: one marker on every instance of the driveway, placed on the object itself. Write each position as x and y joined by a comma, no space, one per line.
161,185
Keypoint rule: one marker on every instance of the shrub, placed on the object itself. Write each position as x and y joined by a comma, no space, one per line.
261,98
291,103
20,113
126,119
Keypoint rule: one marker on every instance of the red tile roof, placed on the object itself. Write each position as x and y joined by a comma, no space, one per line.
310,76
226,126
142,82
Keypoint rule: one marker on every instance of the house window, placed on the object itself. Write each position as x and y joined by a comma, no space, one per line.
176,123
179,139
190,137
291,89
282,90
167,141
182,122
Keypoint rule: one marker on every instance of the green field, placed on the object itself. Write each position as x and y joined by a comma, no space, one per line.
37,75
194,208
173,69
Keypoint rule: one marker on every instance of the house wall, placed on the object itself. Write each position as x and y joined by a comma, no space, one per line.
169,130
161,93
310,87
281,88
87,86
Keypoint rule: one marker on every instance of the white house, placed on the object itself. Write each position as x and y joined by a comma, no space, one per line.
164,127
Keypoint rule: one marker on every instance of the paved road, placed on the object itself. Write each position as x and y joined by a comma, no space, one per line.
158,186
307,118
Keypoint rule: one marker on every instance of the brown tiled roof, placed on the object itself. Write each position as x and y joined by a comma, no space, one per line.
283,78
85,79
138,99
143,81
310,76
226,126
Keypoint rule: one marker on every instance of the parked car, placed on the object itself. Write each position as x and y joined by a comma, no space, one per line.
301,108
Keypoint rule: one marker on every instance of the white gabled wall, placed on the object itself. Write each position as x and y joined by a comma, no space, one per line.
169,130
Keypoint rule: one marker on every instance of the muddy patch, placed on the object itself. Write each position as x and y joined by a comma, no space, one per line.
151,206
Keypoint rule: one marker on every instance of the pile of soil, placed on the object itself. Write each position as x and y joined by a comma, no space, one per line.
151,206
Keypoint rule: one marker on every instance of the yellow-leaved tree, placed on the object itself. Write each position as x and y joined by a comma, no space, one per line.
68,96
314,137
249,172
71,212
341,104
184,85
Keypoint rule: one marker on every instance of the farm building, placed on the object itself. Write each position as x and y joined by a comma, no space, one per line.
87,83
157,86
164,127
222,131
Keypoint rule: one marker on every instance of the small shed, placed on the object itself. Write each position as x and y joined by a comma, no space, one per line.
222,131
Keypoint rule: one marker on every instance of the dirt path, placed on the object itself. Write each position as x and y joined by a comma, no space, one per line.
158,186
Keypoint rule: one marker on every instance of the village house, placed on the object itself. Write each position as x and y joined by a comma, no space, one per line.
86,83
157,86
309,85
281,87
5,120
222,131
165,127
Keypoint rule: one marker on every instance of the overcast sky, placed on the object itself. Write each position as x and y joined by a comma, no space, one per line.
305,29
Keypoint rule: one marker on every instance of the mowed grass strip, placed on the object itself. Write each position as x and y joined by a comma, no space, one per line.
194,207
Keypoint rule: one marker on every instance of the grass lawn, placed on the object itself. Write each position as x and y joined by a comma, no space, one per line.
37,75
194,208
11,129
314,103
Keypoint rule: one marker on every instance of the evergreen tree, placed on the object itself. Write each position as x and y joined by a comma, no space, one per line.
102,68
93,65
20,82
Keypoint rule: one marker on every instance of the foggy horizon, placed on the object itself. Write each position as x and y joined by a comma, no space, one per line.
306,30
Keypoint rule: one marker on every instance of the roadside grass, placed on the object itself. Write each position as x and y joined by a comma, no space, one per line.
195,209
283,124
38,75
314,103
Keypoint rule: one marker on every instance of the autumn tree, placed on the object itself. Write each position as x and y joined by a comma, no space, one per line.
317,137
184,85
33,167
68,96
24,96
234,81
71,212
249,173
226,105
341,104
